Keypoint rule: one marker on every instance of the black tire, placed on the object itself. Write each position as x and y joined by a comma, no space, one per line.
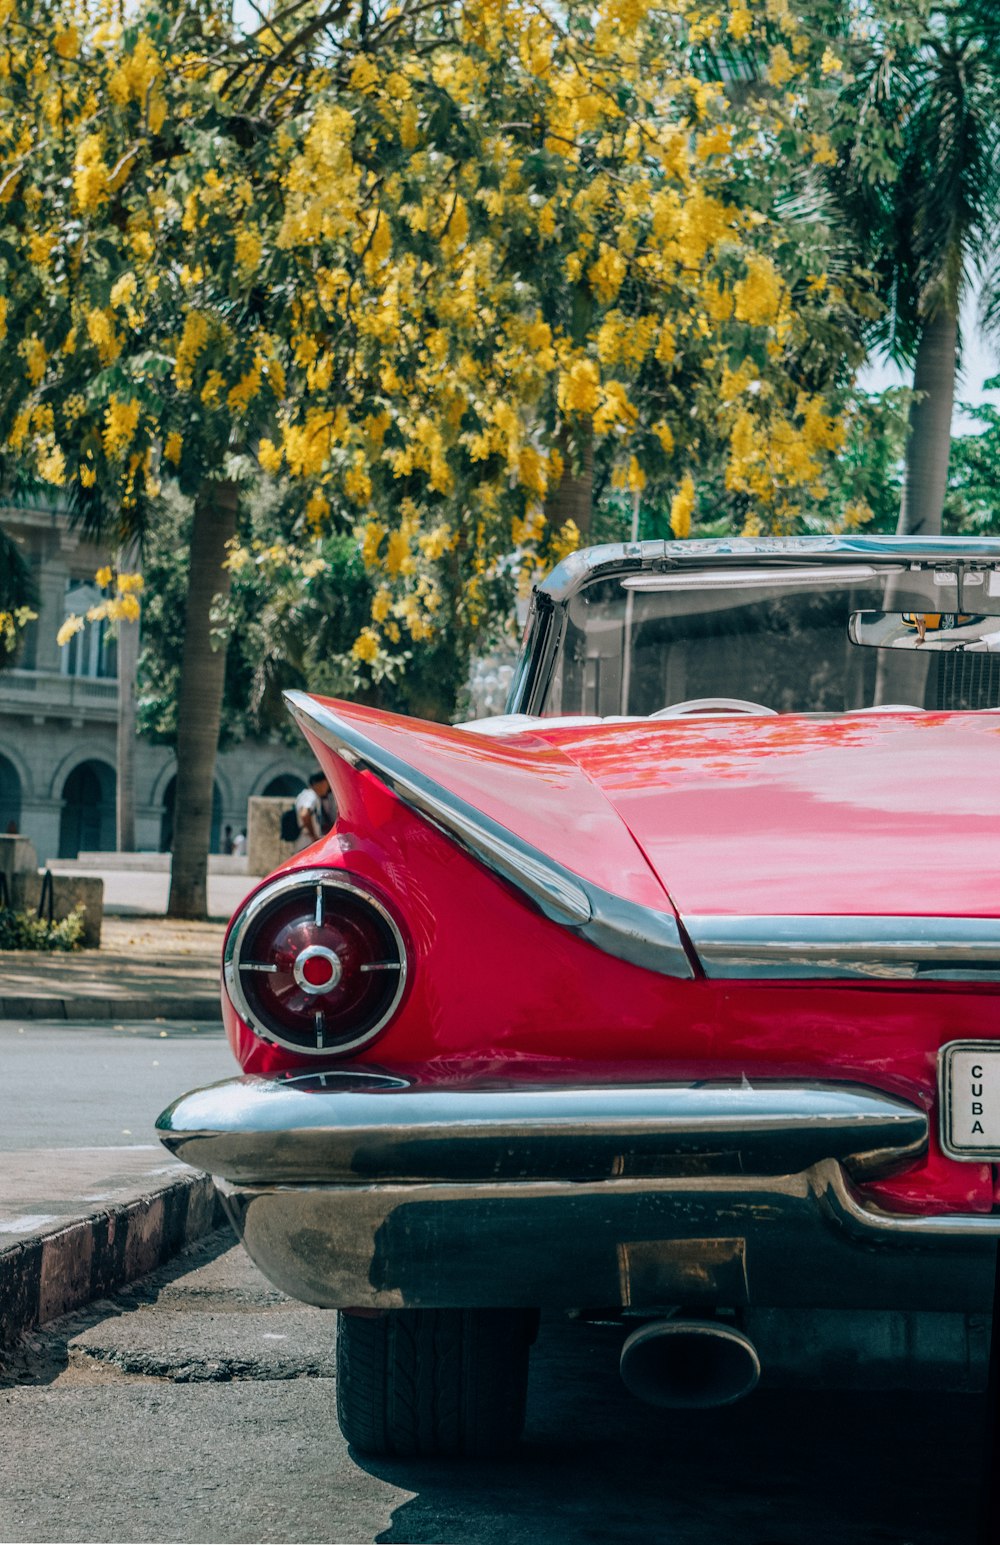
425,1383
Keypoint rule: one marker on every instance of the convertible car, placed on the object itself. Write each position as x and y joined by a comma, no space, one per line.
670,998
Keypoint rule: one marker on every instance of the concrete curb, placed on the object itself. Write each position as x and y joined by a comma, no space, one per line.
50,1274
115,1009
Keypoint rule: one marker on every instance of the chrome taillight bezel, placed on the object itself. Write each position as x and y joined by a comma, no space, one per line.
276,891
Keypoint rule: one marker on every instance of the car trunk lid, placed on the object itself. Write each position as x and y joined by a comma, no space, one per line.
867,814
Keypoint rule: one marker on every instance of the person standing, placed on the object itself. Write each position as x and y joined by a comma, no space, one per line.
313,811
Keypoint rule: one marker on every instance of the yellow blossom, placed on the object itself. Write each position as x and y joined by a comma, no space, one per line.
364,74
33,352
90,175
212,389
102,334
578,386
780,68
66,42
317,509
192,341
366,646
740,23
269,455
120,422
52,466
665,435
172,447
682,508
371,540
69,628
244,392
248,247
757,296
566,540
123,290
607,274
39,248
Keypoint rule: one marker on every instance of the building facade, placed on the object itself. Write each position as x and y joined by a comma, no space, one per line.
59,715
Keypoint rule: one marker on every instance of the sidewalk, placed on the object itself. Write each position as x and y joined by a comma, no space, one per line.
146,968
75,1224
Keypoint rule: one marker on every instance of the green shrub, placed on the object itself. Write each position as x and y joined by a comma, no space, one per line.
25,931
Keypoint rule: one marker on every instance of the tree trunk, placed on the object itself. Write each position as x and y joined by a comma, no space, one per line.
199,702
572,499
929,444
128,659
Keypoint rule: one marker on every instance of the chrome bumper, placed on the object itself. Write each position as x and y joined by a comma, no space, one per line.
359,1189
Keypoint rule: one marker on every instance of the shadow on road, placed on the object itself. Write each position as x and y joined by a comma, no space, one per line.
43,1354
781,1468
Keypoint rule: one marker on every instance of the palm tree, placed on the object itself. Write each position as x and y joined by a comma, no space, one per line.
203,664
924,181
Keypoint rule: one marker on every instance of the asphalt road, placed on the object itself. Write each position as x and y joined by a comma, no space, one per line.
93,1085
199,1406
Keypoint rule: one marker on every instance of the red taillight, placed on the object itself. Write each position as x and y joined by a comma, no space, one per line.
316,963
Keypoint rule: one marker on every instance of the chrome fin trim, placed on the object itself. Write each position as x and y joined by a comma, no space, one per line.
880,948
636,934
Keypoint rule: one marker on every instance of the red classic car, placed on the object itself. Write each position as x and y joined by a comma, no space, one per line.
671,997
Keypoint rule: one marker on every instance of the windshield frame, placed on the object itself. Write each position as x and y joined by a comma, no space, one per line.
549,611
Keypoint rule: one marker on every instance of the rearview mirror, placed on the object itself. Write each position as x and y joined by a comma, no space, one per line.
972,631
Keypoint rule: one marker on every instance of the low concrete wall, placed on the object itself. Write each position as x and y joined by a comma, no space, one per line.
147,863
68,891
265,849
17,854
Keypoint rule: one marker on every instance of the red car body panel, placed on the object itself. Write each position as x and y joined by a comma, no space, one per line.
866,814
756,816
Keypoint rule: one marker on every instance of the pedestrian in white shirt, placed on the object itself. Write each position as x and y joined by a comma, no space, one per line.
312,811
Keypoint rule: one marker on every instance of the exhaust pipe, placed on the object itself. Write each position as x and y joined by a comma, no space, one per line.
691,1364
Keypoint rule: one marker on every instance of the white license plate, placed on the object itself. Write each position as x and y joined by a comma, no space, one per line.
970,1099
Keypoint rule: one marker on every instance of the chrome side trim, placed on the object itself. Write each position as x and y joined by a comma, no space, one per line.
370,1126
860,1217
639,935
927,948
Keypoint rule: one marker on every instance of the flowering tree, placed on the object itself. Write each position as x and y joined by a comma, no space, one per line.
440,267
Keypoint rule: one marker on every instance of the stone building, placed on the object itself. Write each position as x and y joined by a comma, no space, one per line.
58,721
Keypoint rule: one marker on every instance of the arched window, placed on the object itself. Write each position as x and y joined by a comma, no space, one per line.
284,786
87,822
10,797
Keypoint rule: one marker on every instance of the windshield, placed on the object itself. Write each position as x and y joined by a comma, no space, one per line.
779,638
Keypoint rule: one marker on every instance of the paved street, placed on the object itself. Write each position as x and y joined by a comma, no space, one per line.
94,1084
198,1406
77,1108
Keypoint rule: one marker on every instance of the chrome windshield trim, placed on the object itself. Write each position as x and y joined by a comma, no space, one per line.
636,934
633,557
551,598
924,948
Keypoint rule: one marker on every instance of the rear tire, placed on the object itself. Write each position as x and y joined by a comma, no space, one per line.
425,1383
